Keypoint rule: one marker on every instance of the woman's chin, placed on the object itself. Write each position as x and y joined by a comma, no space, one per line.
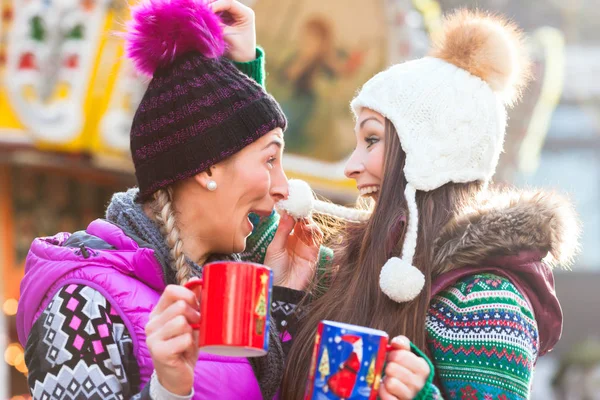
239,244
239,247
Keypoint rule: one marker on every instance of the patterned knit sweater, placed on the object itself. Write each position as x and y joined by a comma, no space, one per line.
483,338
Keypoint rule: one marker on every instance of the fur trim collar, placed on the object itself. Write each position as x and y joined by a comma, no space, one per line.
505,222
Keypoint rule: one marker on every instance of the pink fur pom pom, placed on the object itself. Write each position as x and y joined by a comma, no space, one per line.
161,30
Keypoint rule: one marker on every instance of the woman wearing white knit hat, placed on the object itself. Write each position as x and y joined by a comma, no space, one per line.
459,267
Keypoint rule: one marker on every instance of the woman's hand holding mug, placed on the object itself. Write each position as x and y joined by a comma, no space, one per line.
405,372
172,342
348,362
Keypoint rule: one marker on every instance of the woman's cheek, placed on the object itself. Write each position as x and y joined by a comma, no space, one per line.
259,181
375,161
266,181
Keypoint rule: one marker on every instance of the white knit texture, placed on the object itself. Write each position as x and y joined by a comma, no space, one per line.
410,239
400,280
301,203
158,391
450,123
335,210
451,126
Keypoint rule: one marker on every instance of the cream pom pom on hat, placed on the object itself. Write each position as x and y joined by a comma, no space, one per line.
449,110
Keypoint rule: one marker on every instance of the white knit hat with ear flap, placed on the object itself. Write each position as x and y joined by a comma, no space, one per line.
449,110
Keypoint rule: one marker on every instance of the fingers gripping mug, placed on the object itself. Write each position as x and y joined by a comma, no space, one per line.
347,362
234,308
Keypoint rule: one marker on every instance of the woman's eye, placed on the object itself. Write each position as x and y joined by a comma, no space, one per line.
271,161
371,141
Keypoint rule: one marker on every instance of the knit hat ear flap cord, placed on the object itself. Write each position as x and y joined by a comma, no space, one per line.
302,203
399,279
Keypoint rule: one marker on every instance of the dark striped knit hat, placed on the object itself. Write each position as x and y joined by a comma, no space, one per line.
198,108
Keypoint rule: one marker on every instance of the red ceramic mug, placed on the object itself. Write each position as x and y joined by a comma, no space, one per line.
235,308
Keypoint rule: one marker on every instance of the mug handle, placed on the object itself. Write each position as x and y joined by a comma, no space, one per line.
191,285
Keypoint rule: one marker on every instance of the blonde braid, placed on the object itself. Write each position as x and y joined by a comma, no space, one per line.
165,215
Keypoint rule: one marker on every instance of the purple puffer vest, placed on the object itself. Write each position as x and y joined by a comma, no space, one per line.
131,279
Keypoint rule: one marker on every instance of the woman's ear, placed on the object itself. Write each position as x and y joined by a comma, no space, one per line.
216,175
206,180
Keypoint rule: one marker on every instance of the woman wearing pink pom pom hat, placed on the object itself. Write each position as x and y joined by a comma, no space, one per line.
461,268
102,314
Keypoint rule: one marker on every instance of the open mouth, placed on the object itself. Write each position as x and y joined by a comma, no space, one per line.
260,214
368,190
250,225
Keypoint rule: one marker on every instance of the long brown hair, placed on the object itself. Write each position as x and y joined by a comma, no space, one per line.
361,251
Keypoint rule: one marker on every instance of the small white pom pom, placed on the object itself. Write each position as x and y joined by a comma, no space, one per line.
400,280
300,202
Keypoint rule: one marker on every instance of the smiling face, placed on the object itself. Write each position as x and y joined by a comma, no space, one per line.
251,181
365,165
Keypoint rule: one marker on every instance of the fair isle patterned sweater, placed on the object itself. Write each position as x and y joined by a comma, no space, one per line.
494,309
80,348
483,338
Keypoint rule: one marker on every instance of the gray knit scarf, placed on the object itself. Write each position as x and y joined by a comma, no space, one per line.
125,212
